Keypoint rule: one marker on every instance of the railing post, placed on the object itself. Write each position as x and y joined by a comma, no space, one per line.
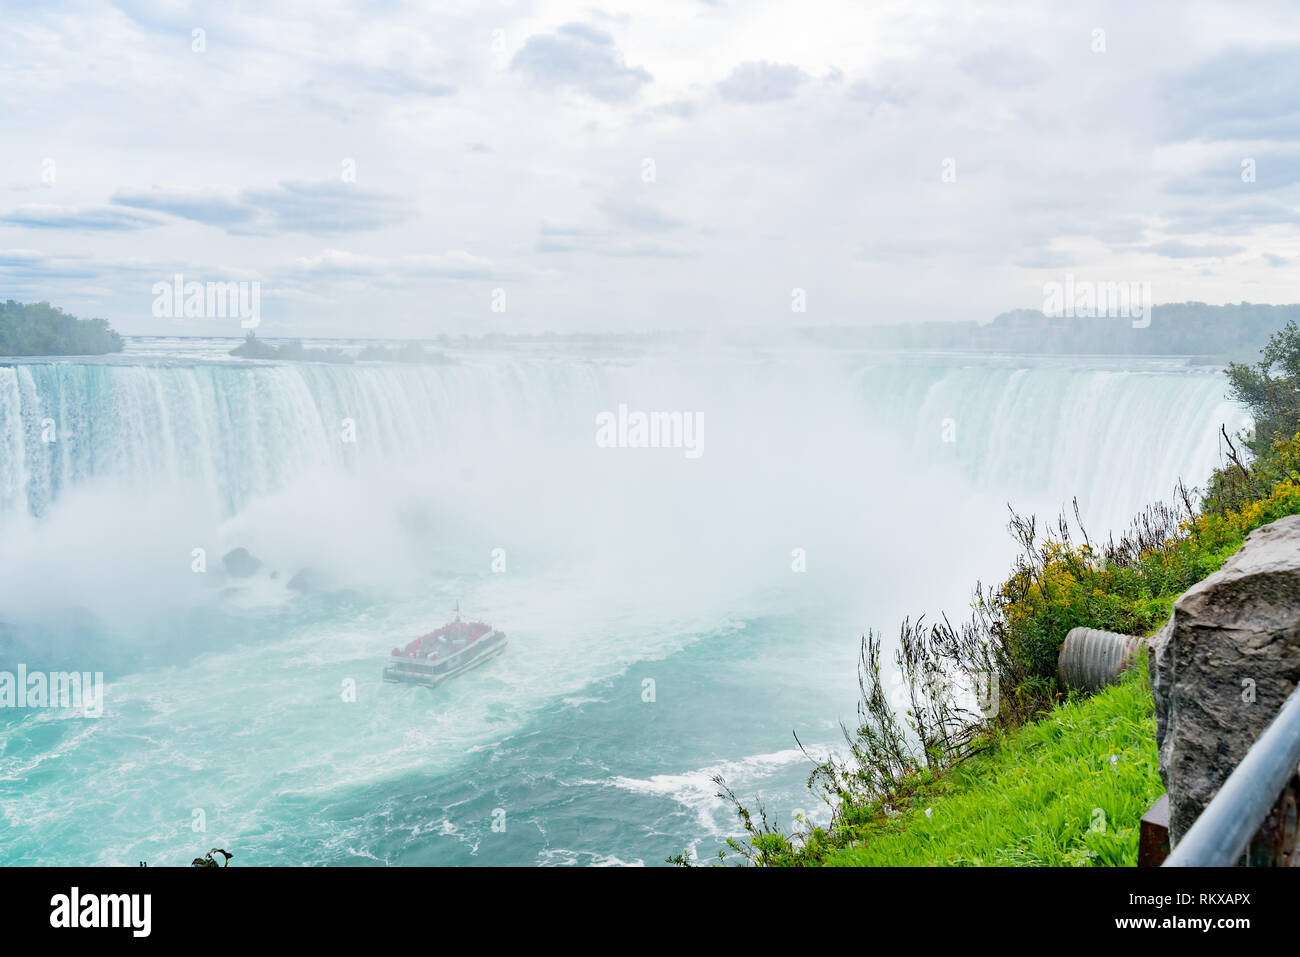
1256,807
1274,844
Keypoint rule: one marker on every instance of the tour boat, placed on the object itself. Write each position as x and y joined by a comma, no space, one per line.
445,653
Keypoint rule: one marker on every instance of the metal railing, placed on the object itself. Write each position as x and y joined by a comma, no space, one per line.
1262,783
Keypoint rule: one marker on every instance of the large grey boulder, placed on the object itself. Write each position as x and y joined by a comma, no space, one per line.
1224,664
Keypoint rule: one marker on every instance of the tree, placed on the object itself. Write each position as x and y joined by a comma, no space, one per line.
1270,389
39,329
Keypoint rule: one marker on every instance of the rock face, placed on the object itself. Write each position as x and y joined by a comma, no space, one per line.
1224,664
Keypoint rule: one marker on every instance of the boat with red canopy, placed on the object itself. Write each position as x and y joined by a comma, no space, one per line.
445,653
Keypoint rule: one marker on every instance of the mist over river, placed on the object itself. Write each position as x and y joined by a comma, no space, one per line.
660,630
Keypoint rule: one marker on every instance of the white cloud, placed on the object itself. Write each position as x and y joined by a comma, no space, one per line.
581,58
762,82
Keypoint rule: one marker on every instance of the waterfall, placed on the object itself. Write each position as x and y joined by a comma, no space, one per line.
1117,438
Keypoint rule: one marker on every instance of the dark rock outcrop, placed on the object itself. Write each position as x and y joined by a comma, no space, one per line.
1224,664
240,563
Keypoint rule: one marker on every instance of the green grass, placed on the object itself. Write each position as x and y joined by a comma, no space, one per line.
1068,790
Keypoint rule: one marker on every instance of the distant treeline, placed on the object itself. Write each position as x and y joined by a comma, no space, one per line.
1219,333
1184,328
39,329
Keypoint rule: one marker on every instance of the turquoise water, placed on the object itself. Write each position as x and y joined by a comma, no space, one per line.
658,632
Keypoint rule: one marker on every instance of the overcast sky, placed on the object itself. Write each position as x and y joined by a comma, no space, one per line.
675,164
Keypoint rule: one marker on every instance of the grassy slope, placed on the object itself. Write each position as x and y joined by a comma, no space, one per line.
1037,798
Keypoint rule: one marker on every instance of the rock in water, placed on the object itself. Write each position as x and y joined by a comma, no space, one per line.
1224,664
240,563
308,580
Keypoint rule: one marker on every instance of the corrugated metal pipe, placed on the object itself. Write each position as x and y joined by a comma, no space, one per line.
1092,659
